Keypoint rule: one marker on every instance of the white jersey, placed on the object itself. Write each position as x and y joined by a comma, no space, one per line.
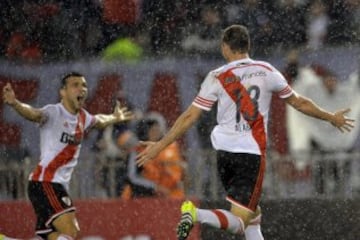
61,135
243,91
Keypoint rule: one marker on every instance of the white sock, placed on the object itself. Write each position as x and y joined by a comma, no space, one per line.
221,219
253,232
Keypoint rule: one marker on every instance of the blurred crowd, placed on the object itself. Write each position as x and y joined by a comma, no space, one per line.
318,150
58,30
117,147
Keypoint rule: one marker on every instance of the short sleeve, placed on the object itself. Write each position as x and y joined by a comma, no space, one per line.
49,113
279,85
90,120
208,93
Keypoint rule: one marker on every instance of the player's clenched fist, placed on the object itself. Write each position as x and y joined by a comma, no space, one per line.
9,94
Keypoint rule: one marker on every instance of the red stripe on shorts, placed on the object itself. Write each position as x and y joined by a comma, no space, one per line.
50,193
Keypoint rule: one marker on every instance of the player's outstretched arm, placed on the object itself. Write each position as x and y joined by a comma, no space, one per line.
305,105
120,114
182,124
25,110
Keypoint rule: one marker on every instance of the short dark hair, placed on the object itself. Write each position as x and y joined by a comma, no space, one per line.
237,38
142,128
69,75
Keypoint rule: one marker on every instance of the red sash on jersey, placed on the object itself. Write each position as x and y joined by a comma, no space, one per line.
65,156
232,86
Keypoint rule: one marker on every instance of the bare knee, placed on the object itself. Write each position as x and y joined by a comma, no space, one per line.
66,227
60,236
64,234
245,214
256,220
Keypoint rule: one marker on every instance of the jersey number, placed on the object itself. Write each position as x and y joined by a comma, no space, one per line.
254,93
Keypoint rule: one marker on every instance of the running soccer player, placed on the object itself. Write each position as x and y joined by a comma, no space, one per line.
62,128
242,89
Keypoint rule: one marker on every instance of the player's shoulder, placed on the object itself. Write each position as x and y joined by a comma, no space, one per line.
212,74
51,107
217,71
264,65
86,112
50,111
89,118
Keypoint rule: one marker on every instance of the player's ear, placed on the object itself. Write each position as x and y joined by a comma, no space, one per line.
62,92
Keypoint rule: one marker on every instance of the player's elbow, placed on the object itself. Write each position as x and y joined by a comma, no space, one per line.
36,117
100,125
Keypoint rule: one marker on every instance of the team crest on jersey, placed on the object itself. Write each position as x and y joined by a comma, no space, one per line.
66,200
66,124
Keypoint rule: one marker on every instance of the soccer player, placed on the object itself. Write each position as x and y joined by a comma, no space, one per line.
62,128
242,89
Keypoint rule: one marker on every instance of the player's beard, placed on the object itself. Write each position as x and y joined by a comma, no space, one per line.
79,103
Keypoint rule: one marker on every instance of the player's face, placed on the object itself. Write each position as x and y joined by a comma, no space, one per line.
74,93
154,133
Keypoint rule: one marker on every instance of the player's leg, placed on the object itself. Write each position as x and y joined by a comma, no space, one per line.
245,189
66,227
253,230
243,195
218,218
54,210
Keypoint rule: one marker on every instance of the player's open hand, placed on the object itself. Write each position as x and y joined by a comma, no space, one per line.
342,122
121,113
9,94
150,151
